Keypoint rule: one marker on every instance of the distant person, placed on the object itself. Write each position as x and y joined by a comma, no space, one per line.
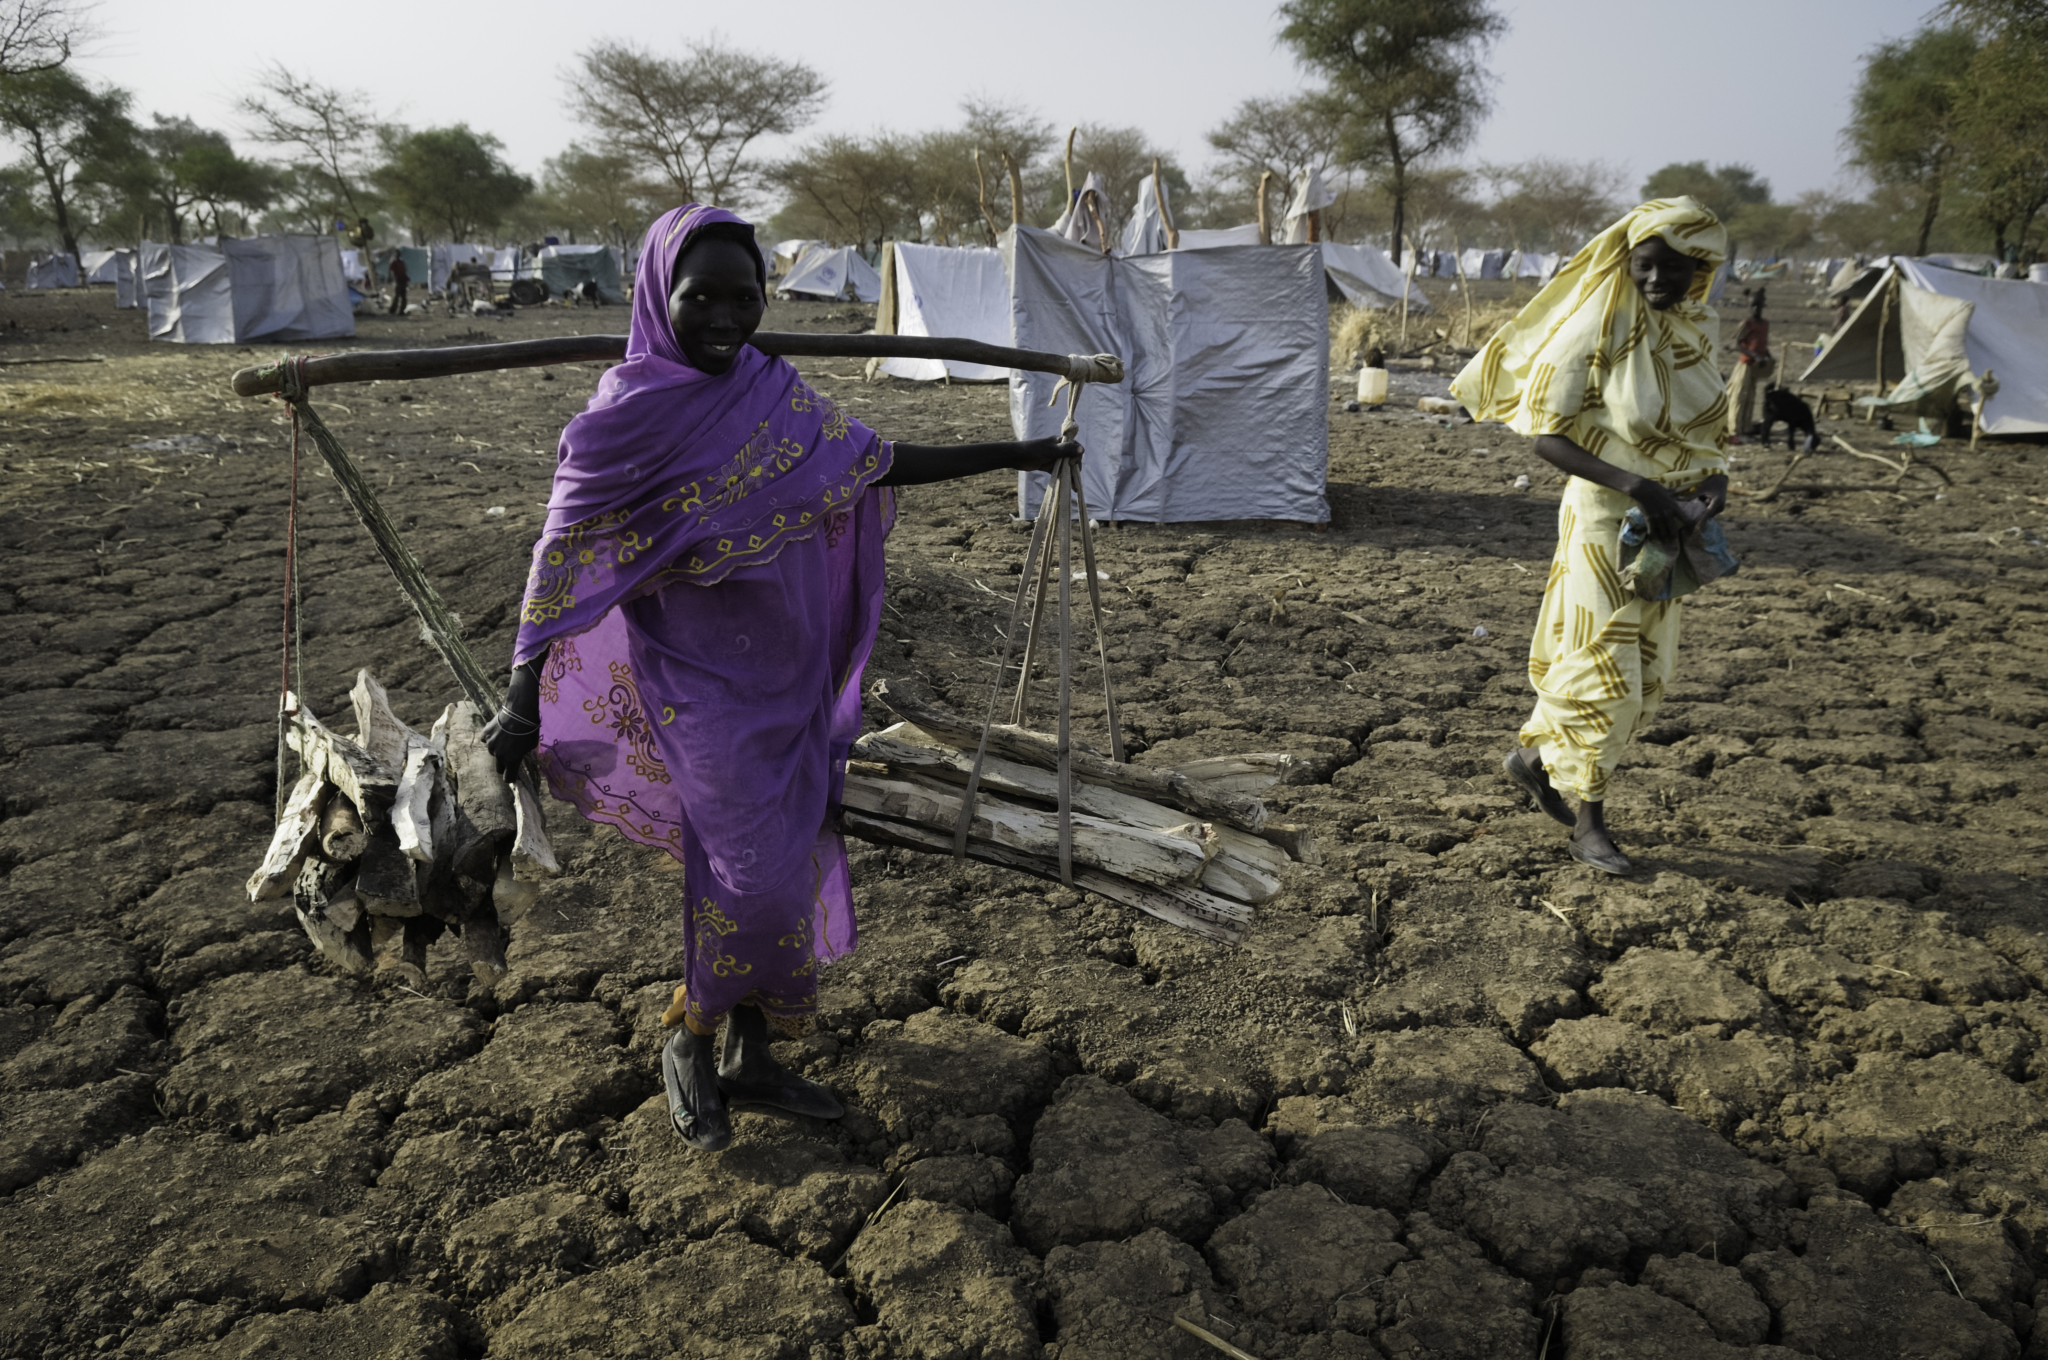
400,277
1753,368
1611,370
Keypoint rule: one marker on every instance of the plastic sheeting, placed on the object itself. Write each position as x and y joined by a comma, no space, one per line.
282,288
1145,233
563,268
187,293
1536,264
827,273
1311,195
443,258
99,266
1208,238
353,270
943,290
1222,413
288,288
1368,278
53,271
1951,326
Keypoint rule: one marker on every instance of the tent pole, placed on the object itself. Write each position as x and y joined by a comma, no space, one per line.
987,213
1464,285
1884,322
1016,189
1265,220
1165,217
1071,134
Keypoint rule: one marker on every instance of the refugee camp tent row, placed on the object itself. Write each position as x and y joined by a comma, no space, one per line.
1222,412
1942,332
59,270
825,273
280,288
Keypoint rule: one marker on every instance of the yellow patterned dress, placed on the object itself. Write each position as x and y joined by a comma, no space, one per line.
1588,359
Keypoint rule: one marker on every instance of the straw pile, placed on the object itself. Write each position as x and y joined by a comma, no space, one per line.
389,838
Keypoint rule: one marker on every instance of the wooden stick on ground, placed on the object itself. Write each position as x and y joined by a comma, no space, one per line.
389,365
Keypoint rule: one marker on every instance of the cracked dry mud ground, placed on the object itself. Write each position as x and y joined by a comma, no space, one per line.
1779,1093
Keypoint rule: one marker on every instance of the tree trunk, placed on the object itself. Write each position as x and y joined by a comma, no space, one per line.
1933,207
53,180
1400,189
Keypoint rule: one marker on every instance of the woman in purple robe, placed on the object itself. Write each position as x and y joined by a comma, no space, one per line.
703,598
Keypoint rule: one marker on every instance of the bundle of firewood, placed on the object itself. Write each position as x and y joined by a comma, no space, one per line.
390,838
1188,845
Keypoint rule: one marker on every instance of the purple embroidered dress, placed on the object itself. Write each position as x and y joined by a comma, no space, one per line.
710,577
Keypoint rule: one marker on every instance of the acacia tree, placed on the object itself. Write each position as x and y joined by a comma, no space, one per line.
691,120
1408,74
858,190
595,192
39,35
1555,204
1286,137
1903,116
332,130
450,178
2001,111
65,127
186,167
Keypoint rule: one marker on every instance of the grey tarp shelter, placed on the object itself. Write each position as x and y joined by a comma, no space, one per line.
1223,411
53,271
564,268
282,288
1943,332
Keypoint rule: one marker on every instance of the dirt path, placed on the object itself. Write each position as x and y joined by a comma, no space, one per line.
1783,1088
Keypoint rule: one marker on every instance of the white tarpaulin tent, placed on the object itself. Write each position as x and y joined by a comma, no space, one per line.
1145,233
1208,238
1311,195
944,290
1951,329
262,288
53,271
1536,264
1223,411
101,266
1368,278
826,273
353,270
443,258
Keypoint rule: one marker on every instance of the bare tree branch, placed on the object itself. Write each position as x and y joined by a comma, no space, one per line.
331,127
41,35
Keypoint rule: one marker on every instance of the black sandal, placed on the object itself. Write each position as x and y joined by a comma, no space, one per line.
687,1070
1532,781
749,1075
1615,863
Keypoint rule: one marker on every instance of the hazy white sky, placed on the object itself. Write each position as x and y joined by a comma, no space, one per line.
1637,83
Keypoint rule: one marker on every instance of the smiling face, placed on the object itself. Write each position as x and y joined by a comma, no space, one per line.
1662,274
716,304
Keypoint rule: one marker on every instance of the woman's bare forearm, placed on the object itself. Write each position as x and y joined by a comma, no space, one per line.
916,464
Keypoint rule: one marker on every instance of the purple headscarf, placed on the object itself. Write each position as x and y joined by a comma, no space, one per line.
713,723
675,474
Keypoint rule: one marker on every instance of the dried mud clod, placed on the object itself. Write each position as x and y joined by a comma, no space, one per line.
1780,1092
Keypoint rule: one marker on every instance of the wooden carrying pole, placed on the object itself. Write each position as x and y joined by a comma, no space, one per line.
391,365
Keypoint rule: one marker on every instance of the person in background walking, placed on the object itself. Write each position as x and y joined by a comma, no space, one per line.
400,277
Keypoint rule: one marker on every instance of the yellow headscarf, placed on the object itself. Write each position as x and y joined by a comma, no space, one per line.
1590,360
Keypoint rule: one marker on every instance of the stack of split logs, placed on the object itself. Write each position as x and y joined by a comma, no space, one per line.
390,838
1190,845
